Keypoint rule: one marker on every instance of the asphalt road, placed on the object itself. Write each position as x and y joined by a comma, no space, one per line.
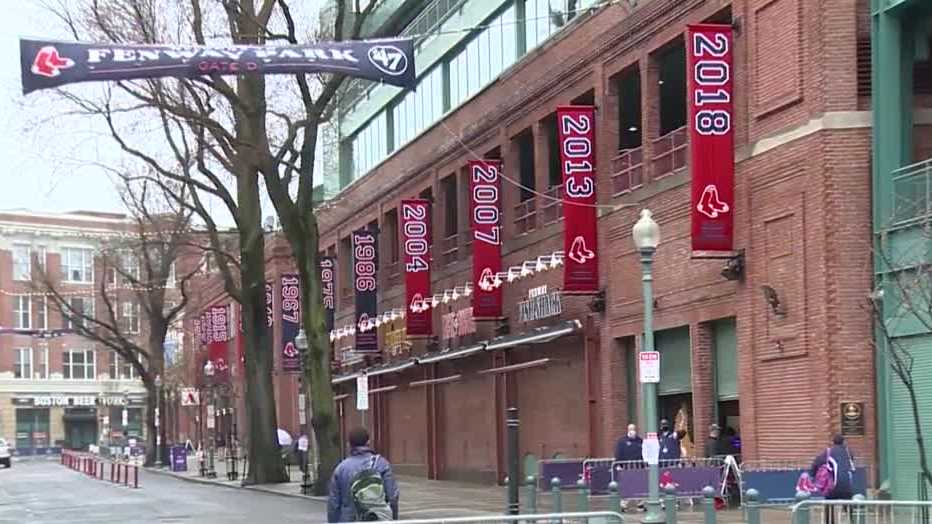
39,491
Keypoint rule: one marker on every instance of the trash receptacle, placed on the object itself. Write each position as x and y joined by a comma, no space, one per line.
179,458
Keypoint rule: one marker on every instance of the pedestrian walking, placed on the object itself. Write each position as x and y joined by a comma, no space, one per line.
301,445
363,487
833,474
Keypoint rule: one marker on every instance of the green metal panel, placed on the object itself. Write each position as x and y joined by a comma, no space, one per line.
631,375
904,466
675,362
726,359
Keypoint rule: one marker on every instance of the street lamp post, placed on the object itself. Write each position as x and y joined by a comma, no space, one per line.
646,235
209,370
158,422
300,342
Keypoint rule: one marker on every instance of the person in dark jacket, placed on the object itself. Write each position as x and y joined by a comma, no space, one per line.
628,448
340,504
717,445
844,474
669,443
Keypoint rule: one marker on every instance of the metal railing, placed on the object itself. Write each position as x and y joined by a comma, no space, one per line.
551,209
627,170
862,511
669,152
449,249
593,517
912,192
526,216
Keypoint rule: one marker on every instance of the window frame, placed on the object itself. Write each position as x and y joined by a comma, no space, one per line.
21,274
18,364
88,364
86,264
130,313
18,312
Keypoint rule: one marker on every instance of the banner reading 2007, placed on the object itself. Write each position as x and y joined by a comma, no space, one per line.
486,217
576,128
711,135
415,241
291,321
365,279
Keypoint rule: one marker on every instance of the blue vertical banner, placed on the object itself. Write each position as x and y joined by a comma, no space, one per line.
365,282
291,321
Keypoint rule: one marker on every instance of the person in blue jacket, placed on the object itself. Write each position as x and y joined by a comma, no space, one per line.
340,504
670,451
628,448
841,459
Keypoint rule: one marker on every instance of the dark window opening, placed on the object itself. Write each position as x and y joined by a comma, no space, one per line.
495,152
391,235
526,164
585,99
450,206
345,264
670,406
672,65
721,17
555,173
628,84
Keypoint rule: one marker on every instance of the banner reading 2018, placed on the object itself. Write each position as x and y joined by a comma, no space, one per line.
485,196
415,241
365,281
576,128
711,135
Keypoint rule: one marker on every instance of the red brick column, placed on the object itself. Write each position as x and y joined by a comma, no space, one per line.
701,340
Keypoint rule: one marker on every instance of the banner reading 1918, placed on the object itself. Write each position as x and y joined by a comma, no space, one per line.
365,282
46,64
415,241
291,321
327,283
576,130
711,135
486,217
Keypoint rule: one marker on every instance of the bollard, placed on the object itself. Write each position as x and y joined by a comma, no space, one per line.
582,498
557,496
752,505
512,424
136,477
117,473
531,483
859,512
708,495
670,502
802,514
614,497
111,472
126,474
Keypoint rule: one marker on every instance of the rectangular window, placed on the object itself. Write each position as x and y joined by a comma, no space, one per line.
554,168
672,82
22,312
22,268
131,318
42,312
129,267
526,164
391,232
42,362
80,307
345,268
78,265
450,203
22,363
120,368
40,254
628,85
78,364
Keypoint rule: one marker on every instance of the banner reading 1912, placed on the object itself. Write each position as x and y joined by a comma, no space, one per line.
485,197
415,241
291,321
45,64
576,131
711,135
365,282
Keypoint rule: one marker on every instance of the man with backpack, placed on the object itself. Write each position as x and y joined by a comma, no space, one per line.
832,472
363,488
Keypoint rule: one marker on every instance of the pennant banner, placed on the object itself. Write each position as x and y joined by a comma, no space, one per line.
219,336
269,304
576,128
327,282
415,239
711,135
196,323
206,329
47,64
486,217
291,322
365,282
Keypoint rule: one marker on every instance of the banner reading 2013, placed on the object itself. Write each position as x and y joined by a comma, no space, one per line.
291,321
576,129
486,217
711,135
415,241
365,281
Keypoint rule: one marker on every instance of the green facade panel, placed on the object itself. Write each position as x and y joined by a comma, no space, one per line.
726,359
675,361
904,467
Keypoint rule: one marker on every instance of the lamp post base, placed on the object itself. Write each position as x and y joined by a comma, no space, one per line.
654,514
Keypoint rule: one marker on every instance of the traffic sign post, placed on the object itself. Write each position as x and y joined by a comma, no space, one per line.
649,367
362,396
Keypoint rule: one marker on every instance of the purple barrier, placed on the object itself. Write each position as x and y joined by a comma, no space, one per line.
690,479
569,471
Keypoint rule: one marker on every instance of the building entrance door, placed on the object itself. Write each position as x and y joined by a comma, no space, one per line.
80,428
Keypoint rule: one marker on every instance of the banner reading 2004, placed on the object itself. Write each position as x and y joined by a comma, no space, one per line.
415,241
711,135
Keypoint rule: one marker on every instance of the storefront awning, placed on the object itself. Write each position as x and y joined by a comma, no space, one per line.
388,368
540,335
450,355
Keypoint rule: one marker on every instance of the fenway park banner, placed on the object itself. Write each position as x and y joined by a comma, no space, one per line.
327,290
46,64
576,131
217,350
291,321
415,241
486,218
711,135
365,282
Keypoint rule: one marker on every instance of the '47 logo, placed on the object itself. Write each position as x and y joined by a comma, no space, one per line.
388,59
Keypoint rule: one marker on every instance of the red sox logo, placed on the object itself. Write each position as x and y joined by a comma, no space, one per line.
49,63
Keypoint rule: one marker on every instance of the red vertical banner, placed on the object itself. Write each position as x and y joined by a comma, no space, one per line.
710,90
217,349
415,241
576,131
486,216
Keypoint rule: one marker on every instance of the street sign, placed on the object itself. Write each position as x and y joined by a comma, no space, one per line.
157,417
125,417
302,406
362,392
649,367
650,449
190,397
210,417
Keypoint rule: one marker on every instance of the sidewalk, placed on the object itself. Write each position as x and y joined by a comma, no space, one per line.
422,498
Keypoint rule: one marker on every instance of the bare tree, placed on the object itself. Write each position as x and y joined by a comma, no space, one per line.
209,139
138,269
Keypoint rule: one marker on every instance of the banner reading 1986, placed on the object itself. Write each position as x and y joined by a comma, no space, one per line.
576,130
415,241
711,135
365,282
486,216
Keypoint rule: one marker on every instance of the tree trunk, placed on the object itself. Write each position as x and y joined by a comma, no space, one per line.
318,387
150,422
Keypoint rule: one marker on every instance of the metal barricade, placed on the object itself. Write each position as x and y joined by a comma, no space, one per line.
594,517
775,480
690,476
862,511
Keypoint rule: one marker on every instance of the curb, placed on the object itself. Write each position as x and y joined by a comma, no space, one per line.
207,482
